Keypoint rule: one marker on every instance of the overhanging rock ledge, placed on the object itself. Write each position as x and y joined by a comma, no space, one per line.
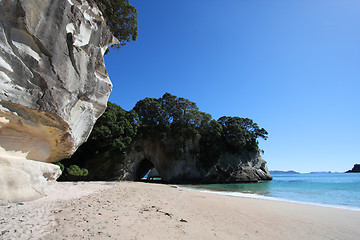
54,85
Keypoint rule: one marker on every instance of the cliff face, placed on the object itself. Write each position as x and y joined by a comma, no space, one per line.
185,167
54,84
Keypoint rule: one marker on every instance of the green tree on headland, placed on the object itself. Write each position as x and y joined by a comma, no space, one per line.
241,133
169,116
113,131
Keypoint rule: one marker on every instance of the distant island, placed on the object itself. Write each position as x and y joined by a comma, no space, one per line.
355,169
283,172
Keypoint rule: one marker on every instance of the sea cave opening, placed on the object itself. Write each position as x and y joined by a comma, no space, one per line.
147,172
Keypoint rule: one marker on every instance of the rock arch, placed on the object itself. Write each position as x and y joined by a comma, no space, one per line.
143,167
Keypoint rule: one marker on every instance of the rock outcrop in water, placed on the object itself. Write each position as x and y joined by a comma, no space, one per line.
356,169
185,168
54,86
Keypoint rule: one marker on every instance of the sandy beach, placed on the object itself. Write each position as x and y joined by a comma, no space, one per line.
132,210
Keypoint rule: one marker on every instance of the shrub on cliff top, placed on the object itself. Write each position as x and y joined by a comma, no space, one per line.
120,16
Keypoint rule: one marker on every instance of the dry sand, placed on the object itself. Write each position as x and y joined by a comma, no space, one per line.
129,210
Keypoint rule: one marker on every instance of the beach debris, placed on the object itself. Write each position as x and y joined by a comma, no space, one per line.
165,213
183,220
144,210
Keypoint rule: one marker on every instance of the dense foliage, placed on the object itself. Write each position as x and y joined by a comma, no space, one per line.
240,134
75,170
169,116
113,131
166,119
120,16
229,134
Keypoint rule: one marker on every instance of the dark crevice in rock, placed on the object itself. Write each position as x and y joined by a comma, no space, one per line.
257,174
83,96
42,48
72,9
37,80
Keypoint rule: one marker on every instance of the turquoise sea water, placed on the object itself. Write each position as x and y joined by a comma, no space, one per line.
328,189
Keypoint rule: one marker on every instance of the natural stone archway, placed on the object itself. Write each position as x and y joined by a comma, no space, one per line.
146,168
143,167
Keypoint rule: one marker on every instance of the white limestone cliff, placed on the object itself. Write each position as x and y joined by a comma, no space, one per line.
53,84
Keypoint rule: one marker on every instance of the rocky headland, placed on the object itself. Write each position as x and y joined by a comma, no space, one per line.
171,137
355,169
186,167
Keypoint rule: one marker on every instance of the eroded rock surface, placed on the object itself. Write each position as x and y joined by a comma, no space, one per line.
53,80
186,168
244,167
25,180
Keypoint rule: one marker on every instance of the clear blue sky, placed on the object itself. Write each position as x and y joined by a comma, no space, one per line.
293,66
